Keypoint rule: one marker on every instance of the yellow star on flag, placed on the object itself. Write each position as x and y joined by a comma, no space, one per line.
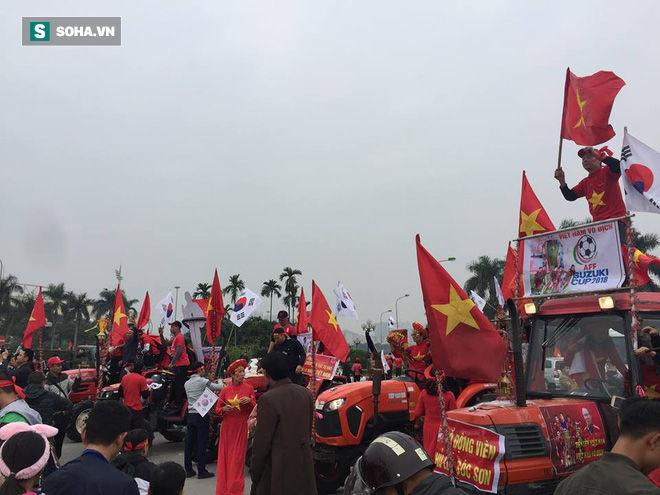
581,105
596,199
118,316
457,311
332,320
528,223
419,356
235,402
32,318
210,306
636,254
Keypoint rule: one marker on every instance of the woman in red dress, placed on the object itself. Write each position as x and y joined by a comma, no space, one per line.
418,356
234,405
428,407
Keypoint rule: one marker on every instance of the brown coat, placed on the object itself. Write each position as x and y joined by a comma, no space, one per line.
282,462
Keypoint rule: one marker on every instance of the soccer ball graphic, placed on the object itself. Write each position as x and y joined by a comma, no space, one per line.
586,248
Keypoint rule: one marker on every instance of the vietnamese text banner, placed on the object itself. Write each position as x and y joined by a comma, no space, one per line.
586,258
476,452
326,366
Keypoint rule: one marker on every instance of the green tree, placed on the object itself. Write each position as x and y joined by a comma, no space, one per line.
55,302
9,289
234,288
288,276
271,289
78,305
203,291
483,269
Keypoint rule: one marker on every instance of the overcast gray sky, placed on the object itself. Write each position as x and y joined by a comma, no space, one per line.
250,136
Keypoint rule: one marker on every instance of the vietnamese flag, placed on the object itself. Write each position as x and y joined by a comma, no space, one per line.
641,263
145,312
464,343
325,327
215,311
36,321
587,105
119,321
533,217
301,317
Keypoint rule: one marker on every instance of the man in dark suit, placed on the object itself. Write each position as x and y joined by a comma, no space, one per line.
283,434
92,473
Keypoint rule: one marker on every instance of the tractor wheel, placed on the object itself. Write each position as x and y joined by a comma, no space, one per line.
331,475
79,417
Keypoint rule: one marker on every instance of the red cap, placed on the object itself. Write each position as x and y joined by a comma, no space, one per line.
54,360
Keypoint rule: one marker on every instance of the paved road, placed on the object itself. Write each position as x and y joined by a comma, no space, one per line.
162,451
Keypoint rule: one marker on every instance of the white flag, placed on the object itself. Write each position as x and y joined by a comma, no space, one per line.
498,292
166,309
640,168
345,304
386,368
391,323
246,303
478,300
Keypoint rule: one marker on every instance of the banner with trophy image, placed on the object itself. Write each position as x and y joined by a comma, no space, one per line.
581,259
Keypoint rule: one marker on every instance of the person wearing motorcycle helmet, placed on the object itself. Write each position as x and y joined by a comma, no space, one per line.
396,464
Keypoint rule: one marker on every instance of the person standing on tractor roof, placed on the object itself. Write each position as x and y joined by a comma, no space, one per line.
179,363
283,323
428,407
600,187
294,353
634,456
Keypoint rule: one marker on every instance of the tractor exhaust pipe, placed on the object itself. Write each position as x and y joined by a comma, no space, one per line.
516,343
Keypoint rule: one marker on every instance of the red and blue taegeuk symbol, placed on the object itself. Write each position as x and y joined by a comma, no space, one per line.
640,176
240,303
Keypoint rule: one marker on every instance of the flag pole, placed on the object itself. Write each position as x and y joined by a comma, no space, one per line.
561,145
561,126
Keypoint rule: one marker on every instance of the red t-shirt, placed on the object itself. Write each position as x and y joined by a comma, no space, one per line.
183,358
398,362
289,329
602,191
357,369
133,385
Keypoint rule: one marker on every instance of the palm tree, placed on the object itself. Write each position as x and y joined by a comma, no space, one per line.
288,276
203,291
78,305
271,288
234,288
56,306
9,287
483,270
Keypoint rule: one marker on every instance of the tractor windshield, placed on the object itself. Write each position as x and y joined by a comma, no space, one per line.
578,356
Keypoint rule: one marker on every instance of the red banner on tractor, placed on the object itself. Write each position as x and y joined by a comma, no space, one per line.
476,452
326,366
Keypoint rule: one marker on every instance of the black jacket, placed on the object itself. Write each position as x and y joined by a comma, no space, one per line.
134,465
295,355
21,374
45,403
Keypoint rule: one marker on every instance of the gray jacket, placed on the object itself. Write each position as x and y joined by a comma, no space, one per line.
195,388
19,406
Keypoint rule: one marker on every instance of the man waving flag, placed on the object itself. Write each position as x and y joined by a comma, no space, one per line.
325,327
463,342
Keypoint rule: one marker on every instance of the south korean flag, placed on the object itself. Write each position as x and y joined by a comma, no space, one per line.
640,169
246,303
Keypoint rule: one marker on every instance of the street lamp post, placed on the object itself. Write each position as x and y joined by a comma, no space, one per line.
396,309
176,300
381,324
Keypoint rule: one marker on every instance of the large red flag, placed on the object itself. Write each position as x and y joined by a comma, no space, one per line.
641,263
119,321
587,105
325,327
533,217
215,311
463,342
145,312
301,318
36,321
509,277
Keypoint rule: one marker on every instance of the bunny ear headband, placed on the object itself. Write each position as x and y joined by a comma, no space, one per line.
12,429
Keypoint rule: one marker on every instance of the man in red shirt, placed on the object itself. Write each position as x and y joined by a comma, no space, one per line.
133,389
398,365
283,322
600,187
357,370
179,363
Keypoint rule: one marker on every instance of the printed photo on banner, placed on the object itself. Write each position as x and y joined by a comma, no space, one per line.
586,258
477,453
577,435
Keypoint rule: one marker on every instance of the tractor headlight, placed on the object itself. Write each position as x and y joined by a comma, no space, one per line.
333,405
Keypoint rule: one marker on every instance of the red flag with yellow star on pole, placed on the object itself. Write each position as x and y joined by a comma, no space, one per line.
325,327
533,217
588,102
36,321
145,312
301,317
215,311
119,321
463,342
641,263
